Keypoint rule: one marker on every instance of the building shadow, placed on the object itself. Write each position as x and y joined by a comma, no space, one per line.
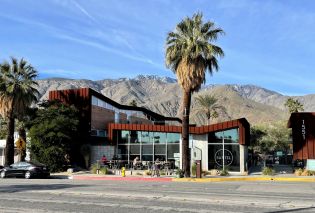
294,210
35,187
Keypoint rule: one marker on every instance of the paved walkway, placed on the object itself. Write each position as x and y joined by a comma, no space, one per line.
283,173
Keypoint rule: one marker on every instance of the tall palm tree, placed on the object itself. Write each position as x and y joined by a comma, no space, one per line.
208,105
17,93
190,53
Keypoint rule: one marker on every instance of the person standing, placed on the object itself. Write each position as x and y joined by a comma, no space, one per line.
156,168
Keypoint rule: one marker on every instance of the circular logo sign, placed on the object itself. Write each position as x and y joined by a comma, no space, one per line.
228,157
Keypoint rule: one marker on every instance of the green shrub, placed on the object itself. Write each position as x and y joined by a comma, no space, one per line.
308,173
268,171
162,173
105,171
299,172
180,173
147,172
94,168
193,169
224,172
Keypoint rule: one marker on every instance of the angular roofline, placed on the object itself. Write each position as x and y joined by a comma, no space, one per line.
296,115
136,108
121,106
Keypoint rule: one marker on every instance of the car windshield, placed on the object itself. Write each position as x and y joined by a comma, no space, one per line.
24,164
15,164
36,164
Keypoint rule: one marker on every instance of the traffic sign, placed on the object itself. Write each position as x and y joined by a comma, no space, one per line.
20,144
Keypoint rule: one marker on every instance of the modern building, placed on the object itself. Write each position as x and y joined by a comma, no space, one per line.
128,132
303,135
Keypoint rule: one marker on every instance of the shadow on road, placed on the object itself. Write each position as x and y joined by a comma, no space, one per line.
293,210
35,187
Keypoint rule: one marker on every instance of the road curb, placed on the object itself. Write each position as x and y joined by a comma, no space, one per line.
150,179
232,179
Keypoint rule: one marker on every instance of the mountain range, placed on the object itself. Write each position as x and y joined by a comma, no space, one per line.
163,95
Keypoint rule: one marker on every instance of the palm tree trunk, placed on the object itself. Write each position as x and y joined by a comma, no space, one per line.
9,149
22,134
185,133
208,121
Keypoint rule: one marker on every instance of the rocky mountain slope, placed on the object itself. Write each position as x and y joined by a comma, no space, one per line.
163,95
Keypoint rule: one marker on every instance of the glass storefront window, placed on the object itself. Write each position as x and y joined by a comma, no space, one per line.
123,137
231,157
147,149
223,150
159,137
135,149
123,150
230,136
147,157
134,137
173,138
160,149
160,157
171,149
147,145
123,157
146,137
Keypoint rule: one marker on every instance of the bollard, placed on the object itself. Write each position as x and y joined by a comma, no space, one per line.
123,172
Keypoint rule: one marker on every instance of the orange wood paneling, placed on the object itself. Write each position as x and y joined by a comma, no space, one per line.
311,149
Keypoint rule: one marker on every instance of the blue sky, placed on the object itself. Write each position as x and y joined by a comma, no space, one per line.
267,43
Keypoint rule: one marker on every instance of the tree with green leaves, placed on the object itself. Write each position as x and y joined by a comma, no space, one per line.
266,139
294,105
17,92
190,53
208,105
53,134
3,128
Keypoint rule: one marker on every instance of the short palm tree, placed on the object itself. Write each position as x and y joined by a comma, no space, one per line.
190,53
208,105
294,105
17,93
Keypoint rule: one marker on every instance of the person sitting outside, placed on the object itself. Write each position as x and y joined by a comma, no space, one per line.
136,162
104,160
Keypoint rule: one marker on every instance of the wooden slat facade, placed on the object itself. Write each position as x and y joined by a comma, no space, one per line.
303,135
242,124
82,99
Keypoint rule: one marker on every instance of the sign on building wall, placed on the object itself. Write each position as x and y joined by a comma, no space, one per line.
223,157
303,130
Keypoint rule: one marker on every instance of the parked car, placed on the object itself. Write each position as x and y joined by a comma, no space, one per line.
26,170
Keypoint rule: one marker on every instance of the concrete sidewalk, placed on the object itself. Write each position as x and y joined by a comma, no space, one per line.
119,178
283,174
275,178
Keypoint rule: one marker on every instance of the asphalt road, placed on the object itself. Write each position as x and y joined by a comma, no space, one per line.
20,195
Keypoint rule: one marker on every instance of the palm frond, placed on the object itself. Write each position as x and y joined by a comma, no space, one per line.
17,87
190,52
